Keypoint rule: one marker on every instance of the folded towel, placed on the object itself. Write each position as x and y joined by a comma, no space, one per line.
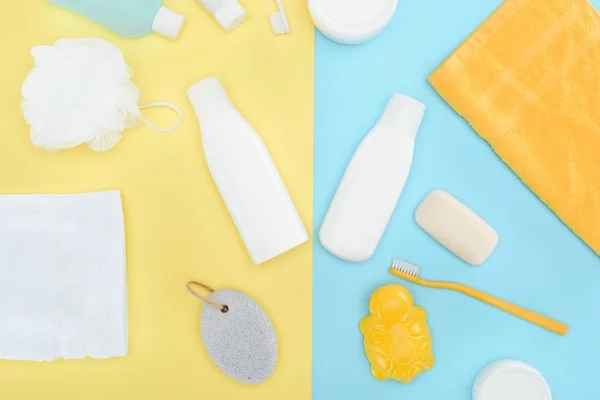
528,81
63,287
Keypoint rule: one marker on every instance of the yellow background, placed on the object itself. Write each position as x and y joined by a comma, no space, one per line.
178,228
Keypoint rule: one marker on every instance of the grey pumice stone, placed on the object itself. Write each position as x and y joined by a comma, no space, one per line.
242,341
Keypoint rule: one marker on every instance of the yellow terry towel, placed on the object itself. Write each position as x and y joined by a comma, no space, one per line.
528,81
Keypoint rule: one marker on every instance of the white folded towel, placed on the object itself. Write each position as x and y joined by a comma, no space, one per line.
63,284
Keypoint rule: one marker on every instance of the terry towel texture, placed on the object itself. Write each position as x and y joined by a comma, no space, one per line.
63,286
528,81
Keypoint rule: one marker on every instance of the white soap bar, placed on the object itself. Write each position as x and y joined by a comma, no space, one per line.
457,227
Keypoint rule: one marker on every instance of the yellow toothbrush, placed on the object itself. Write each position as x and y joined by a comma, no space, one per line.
410,272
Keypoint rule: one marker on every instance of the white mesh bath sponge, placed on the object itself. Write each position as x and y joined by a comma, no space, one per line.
80,91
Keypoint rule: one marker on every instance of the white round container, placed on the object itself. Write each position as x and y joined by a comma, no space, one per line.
352,21
511,380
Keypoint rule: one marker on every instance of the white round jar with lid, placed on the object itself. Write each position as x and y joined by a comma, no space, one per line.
511,380
352,21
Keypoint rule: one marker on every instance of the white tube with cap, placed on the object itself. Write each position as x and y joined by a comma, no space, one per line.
245,175
228,13
373,183
168,23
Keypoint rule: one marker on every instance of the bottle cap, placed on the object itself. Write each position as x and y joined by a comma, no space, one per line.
168,23
207,96
403,114
511,380
352,22
230,15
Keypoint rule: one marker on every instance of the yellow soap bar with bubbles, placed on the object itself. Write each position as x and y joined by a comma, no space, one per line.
397,341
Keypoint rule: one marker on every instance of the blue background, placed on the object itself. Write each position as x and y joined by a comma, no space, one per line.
539,264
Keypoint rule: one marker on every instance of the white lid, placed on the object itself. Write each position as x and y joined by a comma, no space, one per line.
168,23
230,15
208,96
403,114
511,380
352,21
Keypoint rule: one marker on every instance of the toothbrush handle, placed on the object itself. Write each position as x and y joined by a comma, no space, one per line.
544,322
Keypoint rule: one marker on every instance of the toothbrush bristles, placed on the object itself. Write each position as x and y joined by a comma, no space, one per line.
406,267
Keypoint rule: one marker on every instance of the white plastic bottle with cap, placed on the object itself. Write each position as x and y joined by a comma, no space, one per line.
245,175
228,13
373,183
129,18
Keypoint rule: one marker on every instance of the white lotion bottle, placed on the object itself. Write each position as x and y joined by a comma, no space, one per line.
228,13
373,183
244,173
